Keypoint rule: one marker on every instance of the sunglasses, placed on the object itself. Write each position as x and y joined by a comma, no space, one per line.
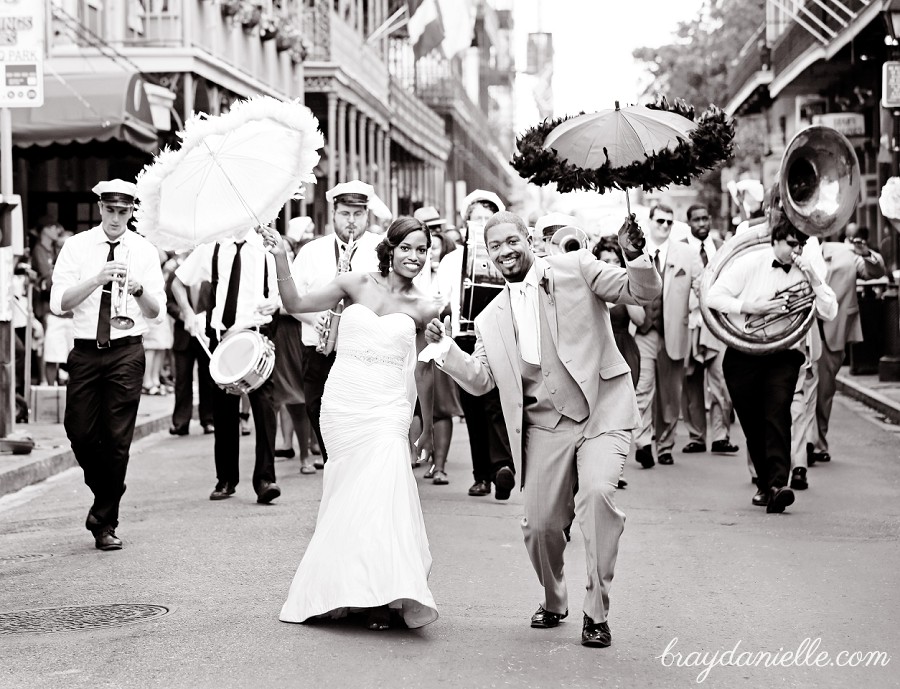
664,221
793,243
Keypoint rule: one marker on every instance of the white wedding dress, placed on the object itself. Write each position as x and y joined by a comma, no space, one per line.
369,547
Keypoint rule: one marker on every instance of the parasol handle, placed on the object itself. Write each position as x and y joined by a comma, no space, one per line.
627,199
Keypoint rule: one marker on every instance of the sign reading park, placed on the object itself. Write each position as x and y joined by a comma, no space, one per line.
21,53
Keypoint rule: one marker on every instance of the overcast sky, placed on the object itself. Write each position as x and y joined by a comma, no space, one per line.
593,42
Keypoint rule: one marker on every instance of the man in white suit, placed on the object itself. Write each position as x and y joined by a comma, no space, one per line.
546,344
663,341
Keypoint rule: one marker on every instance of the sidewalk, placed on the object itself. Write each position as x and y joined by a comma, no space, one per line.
882,397
52,453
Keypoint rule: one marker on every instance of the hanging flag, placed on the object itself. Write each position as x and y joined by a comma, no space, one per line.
426,30
445,24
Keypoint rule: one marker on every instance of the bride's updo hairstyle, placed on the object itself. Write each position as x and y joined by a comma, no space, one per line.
395,234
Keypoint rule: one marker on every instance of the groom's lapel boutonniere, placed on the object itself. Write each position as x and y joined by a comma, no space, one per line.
546,284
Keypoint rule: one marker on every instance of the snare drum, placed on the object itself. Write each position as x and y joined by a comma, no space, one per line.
242,362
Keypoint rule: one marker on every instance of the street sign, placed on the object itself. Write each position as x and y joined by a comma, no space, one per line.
21,53
890,84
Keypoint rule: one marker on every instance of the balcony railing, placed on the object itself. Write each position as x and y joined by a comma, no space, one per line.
173,25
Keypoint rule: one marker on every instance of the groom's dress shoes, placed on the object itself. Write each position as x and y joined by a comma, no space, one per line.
595,634
267,492
544,619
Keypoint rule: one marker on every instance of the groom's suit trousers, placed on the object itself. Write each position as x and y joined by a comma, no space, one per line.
557,456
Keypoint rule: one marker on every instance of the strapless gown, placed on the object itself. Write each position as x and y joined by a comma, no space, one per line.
369,547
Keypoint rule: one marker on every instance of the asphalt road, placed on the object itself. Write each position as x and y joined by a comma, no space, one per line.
700,571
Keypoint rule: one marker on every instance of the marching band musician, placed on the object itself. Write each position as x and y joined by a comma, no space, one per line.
315,266
243,294
100,274
488,443
762,385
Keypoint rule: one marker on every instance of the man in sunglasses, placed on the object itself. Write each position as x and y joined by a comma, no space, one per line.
762,385
663,341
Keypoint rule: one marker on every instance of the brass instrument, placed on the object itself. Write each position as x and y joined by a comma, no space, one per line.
481,281
120,320
819,185
328,336
567,239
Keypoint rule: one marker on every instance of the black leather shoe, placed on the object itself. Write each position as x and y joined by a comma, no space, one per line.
208,429
595,634
480,488
222,491
779,498
694,446
267,492
178,430
819,457
666,458
286,452
105,539
644,456
761,499
724,446
544,619
622,483
798,479
504,482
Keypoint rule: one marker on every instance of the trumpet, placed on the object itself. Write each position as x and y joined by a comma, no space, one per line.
120,320
328,336
567,239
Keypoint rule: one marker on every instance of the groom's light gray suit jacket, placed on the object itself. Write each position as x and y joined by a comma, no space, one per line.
573,294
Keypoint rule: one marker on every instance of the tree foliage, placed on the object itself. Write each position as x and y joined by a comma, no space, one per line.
697,64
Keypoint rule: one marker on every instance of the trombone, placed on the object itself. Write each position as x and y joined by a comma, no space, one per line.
120,320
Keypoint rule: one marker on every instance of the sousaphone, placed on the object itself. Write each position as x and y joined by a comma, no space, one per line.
819,185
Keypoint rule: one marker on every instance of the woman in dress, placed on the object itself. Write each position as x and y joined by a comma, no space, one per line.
369,550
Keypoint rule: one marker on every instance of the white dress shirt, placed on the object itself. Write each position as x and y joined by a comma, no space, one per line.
708,245
523,297
316,265
197,268
663,250
83,256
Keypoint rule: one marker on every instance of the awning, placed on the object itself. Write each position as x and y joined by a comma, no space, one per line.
79,108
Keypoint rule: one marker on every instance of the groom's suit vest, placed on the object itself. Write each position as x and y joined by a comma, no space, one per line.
550,391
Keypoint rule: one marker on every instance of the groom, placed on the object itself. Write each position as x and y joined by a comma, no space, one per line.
546,343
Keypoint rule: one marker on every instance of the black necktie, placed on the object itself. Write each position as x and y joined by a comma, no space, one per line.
234,283
786,267
703,256
105,314
656,262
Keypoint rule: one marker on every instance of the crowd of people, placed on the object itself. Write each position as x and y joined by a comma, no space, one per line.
562,355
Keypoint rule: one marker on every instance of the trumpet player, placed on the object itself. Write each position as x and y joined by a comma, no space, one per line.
762,385
106,276
315,266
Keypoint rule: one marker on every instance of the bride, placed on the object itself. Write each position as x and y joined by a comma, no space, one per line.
369,550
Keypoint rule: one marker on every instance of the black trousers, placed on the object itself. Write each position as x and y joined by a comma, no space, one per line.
226,417
761,389
102,400
316,368
488,439
184,384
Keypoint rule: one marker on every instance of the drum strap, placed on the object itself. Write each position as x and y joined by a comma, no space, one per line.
215,285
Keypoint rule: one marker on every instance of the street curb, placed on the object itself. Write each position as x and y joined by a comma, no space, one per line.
884,405
57,462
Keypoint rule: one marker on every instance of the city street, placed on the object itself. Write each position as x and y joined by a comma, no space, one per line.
697,563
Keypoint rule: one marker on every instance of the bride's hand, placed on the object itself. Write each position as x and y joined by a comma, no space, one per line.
425,447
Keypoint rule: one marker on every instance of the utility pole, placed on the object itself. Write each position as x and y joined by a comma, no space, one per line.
22,45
